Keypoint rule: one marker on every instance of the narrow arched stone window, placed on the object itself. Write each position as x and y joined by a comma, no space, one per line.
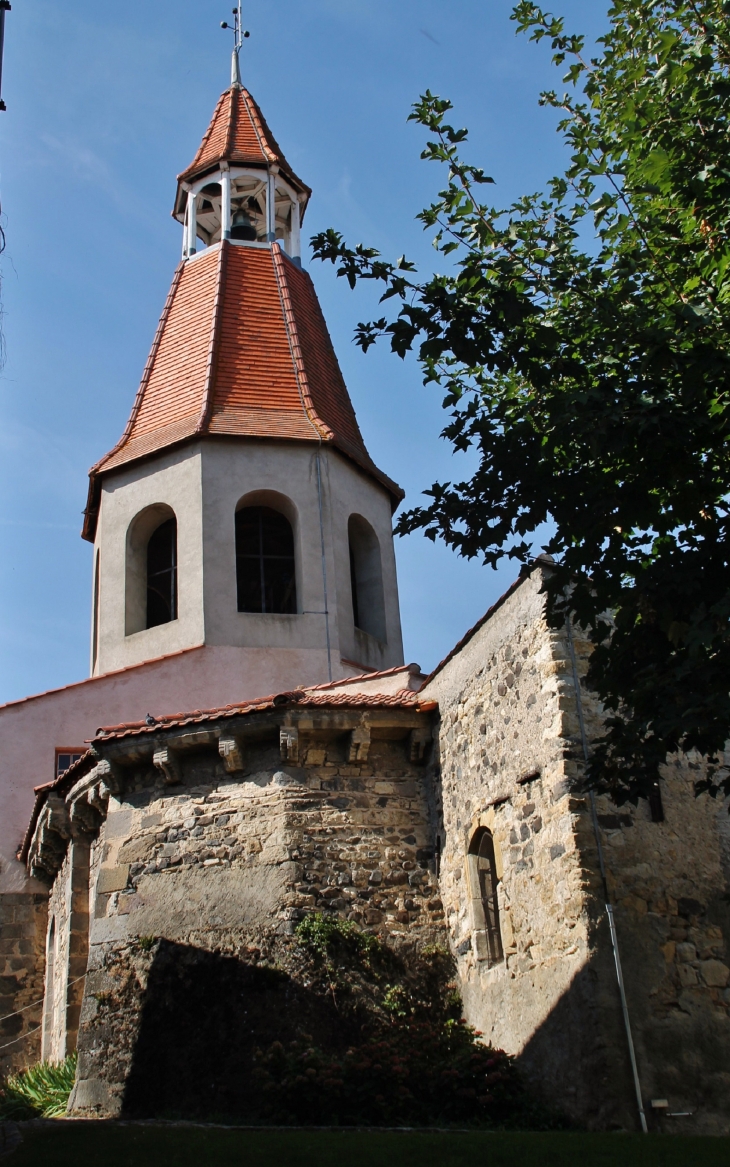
265,562
483,881
162,574
366,578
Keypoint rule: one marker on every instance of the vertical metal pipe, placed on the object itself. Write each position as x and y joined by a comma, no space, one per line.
602,867
324,567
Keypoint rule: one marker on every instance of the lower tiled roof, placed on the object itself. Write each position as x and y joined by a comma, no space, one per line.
404,699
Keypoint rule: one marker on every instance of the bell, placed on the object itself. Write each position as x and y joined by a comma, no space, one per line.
242,227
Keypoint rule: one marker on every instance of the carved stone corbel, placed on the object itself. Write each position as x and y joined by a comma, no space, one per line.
419,742
84,818
111,774
359,744
167,762
99,797
231,753
289,743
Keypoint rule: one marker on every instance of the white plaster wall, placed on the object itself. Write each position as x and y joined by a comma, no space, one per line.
233,470
350,491
202,484
172,479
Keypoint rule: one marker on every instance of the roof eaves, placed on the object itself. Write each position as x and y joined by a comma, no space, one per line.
61,785
404,698
411,669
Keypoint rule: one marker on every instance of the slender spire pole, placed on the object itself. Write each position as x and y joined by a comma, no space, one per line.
239,33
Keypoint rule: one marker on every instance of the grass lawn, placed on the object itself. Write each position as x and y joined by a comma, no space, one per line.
70,1144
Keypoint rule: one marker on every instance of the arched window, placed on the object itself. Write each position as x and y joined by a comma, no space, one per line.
485,905
265,565
366,578
162,574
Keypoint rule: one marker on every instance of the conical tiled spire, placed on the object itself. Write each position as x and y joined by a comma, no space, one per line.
242,348
238,134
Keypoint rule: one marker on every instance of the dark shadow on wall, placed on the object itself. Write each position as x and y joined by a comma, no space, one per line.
578,1057
203,1017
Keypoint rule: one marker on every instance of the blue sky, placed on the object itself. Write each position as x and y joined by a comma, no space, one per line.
106,103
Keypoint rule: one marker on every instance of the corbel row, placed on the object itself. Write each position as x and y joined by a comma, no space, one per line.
358,743
76,816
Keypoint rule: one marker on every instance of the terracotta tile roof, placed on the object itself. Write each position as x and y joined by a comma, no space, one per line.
241,349
412,670
404,699
238,133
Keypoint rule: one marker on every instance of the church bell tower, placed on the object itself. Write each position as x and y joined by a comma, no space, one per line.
240,510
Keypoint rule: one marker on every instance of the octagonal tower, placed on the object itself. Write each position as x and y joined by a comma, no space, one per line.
240,509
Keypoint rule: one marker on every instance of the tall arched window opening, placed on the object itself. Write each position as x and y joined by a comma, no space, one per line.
162,574
366,578
265,563
485,904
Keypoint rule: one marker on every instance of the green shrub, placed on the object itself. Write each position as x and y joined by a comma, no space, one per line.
42,1091
415,1073
329,936
411,1061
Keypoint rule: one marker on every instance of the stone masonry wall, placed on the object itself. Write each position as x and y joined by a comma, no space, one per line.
669,883
22,965
502,760
510,758
225,864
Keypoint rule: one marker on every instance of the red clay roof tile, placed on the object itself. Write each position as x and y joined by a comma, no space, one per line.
238,133
404,699
242,349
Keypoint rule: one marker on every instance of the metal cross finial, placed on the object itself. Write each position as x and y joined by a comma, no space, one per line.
239,34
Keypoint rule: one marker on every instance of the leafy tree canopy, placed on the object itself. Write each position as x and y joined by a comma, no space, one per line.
582,338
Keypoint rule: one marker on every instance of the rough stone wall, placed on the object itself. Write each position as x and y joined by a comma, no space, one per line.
226,864
502,762
510,758
22,965
669,883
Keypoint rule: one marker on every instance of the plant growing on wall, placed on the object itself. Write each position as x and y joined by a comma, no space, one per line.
582,341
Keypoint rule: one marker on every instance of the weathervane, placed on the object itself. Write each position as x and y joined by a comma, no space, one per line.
239,34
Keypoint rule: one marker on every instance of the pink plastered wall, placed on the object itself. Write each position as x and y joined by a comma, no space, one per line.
198,678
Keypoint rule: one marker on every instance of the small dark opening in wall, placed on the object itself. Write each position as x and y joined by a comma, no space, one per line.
162,574
656,806
265,564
